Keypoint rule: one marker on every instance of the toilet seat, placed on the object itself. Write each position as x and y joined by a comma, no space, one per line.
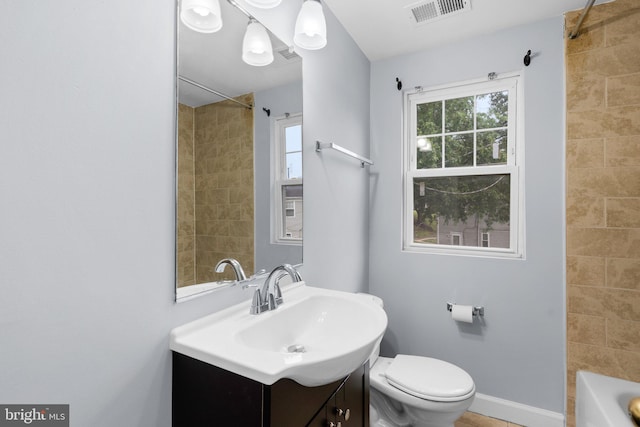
428,378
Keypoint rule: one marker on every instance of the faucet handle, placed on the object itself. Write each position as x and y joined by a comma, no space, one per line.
271,301
277,292
256,303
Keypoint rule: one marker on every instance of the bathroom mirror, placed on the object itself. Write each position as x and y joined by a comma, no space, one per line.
225,151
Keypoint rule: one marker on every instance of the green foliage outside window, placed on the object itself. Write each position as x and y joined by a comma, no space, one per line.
473,130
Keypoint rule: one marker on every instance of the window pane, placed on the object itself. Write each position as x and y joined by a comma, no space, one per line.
294,165
429,117
492,147
458,114
463,206
429,154
292,211
293,138
290,208
492,110
458,150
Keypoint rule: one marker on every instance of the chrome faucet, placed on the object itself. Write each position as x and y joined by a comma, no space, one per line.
237,268
264,299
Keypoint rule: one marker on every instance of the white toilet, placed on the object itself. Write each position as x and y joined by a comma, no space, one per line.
416,391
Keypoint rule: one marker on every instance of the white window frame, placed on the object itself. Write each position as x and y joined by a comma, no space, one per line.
481,239
290,206
514,83
279,177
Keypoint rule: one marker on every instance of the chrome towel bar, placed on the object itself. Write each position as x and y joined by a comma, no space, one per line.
322,145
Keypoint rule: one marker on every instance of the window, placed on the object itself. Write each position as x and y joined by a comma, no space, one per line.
290,208
463,163
287,200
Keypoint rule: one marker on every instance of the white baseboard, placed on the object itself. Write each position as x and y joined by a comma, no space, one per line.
514,412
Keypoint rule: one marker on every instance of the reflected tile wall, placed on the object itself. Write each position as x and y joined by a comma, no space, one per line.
603,194
185,199
223,144
215,190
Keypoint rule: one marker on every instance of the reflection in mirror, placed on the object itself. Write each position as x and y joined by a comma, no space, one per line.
229,178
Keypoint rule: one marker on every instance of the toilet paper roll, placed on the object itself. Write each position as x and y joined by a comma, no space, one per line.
462,313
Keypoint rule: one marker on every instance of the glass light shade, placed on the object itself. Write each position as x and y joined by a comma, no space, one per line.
256,45
202,16
311,27
264,4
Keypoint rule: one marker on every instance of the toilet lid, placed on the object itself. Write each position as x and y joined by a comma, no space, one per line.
430,379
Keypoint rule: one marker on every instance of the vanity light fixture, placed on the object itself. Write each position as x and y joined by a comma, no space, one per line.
310,30
264,4
256,45
202,16
311,27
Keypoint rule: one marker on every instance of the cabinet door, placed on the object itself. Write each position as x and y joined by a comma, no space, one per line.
321,418
352,400
349,406
206,396
291,404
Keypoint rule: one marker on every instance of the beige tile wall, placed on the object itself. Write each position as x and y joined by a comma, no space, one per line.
186,217
222,188
603,194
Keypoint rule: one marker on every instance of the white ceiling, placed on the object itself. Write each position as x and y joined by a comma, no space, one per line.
383,28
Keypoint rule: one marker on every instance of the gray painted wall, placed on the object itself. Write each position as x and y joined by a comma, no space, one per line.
280,100
336,227
336,109
87,190
518,353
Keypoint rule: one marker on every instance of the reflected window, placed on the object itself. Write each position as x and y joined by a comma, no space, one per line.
287,197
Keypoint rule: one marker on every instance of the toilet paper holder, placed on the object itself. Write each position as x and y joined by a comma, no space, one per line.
477,310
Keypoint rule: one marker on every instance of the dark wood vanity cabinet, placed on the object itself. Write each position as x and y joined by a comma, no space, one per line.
349,405
205,395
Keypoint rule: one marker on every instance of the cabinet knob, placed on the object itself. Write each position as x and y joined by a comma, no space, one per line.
332,424
344,413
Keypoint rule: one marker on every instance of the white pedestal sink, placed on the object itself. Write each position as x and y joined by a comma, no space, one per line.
315,337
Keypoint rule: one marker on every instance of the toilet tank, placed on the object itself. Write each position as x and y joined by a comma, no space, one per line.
376,350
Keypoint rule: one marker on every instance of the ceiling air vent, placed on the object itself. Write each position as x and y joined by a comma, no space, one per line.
431,10
288,54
